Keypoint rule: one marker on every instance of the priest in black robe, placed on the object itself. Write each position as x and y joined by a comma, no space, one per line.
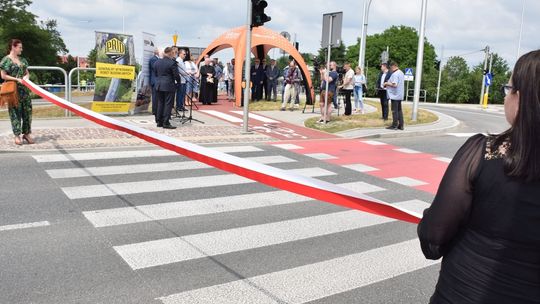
208,82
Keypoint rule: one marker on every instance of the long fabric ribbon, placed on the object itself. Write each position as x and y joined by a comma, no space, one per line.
267,175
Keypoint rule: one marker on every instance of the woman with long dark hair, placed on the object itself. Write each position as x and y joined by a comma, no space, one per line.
13,67
485,219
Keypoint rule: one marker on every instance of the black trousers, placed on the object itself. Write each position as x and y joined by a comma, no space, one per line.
348,105
265,89
397,114
164,107
154,101
384,104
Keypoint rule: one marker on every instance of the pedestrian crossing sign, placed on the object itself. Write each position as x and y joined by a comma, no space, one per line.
409,71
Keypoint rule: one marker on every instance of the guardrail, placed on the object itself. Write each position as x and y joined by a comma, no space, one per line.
68,92
53,68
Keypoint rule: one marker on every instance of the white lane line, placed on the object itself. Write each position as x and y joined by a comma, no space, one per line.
314,281
443,159
163,211
407,181
288,146
24,226
361,168
178,249
408,151
45,158
257,117
373,142
147,168
173,184
415,205
320,156
227,117
461,134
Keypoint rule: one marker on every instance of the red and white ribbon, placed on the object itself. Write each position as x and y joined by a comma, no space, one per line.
267,175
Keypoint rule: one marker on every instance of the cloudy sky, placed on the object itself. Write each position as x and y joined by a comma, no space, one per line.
462,26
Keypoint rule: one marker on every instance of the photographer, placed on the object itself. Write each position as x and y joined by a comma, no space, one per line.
331,78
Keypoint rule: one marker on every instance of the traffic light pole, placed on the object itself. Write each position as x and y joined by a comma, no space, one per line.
419,61
485,103
247,68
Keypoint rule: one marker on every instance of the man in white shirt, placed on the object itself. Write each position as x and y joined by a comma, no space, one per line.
181,91
347,87
395,87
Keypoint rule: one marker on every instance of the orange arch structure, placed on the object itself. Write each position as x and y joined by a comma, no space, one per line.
262,41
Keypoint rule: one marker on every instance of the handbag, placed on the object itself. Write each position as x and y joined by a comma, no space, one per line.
9,95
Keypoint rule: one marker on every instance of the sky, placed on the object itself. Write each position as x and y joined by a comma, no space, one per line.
460,26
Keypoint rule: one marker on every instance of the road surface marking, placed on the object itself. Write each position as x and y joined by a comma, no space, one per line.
443,159
320,156
173,184
257,117
288,146
45,158
224,116
407,181
361,168
147,168
24,226
408,151
373,142
163,211
314,281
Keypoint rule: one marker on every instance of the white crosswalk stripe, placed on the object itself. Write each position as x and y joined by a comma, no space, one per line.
146,213
173,184
46,158
147,168
314,281
164,252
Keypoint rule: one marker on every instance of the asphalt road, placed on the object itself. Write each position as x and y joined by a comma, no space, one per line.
145,226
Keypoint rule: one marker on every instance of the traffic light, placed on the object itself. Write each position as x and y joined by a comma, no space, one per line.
258,17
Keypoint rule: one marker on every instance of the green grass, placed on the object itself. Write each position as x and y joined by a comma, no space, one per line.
369,120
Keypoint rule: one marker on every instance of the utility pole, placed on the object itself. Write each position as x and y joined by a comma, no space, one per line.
486,50
486,97
327,74
520,29
419,61
247,67
440,74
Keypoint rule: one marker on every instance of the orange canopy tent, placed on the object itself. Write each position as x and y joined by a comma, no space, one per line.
262,41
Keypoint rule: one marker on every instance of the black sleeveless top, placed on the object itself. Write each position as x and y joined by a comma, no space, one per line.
486,226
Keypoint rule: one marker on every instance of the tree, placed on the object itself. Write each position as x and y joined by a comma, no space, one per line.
456,85
42,42
337,54
402,42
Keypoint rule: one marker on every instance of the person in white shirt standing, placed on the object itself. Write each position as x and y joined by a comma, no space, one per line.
347,87
359,82
395,87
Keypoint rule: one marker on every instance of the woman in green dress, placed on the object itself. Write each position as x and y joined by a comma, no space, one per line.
13,67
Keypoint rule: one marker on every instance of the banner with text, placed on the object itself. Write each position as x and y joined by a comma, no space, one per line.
145,90
115,72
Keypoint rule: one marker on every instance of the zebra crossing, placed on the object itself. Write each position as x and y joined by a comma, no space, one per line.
252,243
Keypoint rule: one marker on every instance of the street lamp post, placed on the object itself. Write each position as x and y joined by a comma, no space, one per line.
362,52
419,61
520,29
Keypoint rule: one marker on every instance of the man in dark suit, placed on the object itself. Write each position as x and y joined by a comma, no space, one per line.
153,80
167,78
272,74
257,78
383,77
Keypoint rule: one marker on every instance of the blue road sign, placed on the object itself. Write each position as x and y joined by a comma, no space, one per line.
489,79
409,72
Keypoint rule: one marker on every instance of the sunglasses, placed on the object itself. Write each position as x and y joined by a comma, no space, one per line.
506,89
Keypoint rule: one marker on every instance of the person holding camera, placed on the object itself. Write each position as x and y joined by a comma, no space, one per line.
330,78
292,80
347,87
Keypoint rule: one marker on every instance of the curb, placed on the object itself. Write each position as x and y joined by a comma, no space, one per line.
396,134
